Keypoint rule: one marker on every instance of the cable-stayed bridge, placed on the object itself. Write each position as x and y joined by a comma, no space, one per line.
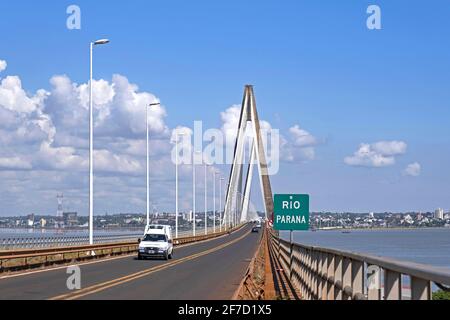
234,262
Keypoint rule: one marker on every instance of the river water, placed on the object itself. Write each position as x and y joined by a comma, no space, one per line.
427,246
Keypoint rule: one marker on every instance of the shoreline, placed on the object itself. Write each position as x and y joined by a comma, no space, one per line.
382,229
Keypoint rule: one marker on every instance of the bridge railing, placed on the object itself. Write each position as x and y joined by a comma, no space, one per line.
26,258
328,274
38,241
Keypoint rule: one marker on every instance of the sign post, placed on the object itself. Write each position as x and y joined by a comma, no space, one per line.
291,213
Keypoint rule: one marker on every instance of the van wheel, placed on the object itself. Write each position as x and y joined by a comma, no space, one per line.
139,257
166,256
171,256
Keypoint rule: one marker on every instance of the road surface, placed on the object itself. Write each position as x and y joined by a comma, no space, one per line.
210,270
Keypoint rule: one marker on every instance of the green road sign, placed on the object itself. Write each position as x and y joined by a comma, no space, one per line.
291,212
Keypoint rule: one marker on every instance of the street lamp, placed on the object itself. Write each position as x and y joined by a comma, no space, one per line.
220,208
214,198
193,190
206,198
91,145
177,134
148,162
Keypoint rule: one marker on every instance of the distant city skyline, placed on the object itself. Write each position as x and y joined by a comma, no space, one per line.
362,113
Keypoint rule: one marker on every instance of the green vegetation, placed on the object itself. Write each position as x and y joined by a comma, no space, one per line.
441,295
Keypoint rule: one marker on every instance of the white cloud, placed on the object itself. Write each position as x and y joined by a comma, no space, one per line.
302,138
377,155
106,161
230,122
14,98
50,128
14,163
3,65
390,148
298,146
413,170
44,141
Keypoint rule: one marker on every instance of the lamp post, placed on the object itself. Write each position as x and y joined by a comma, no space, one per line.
206,198
148,162
91,144
194,192
220,203
176,181
214,200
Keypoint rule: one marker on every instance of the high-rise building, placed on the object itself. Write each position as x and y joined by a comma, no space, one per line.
439,214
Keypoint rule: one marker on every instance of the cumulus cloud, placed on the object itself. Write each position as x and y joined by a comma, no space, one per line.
120,108
302,138
3,65
413,170
44,140
377,155
298,145
48,130
14,98
301,145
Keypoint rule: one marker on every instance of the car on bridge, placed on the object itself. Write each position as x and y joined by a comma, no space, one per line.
157,243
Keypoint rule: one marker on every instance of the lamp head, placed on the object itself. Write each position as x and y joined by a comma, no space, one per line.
101,41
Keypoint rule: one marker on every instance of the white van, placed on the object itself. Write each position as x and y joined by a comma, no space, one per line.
157,242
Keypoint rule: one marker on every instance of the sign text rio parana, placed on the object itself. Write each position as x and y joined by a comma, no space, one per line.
291,212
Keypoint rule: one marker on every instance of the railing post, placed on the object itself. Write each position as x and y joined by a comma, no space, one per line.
319,275
279,247
338,278
347,277
304,279
392,285
420,289
291,256
322,275
307,274
315,267
358,279
374,289
331,276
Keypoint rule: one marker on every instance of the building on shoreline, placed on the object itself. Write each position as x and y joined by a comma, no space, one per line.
439,214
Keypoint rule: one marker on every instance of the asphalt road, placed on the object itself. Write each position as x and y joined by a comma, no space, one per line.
210,270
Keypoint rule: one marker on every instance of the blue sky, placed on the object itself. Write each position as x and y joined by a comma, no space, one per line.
313,64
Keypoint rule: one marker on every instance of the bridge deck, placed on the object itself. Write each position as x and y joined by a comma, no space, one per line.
207,270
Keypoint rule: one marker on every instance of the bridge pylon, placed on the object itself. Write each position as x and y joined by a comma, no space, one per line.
237,203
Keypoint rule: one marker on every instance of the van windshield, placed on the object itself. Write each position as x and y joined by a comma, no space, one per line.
155,238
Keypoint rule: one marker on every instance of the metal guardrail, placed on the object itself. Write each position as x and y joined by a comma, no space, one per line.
328,274
37,257
60,241
13,243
